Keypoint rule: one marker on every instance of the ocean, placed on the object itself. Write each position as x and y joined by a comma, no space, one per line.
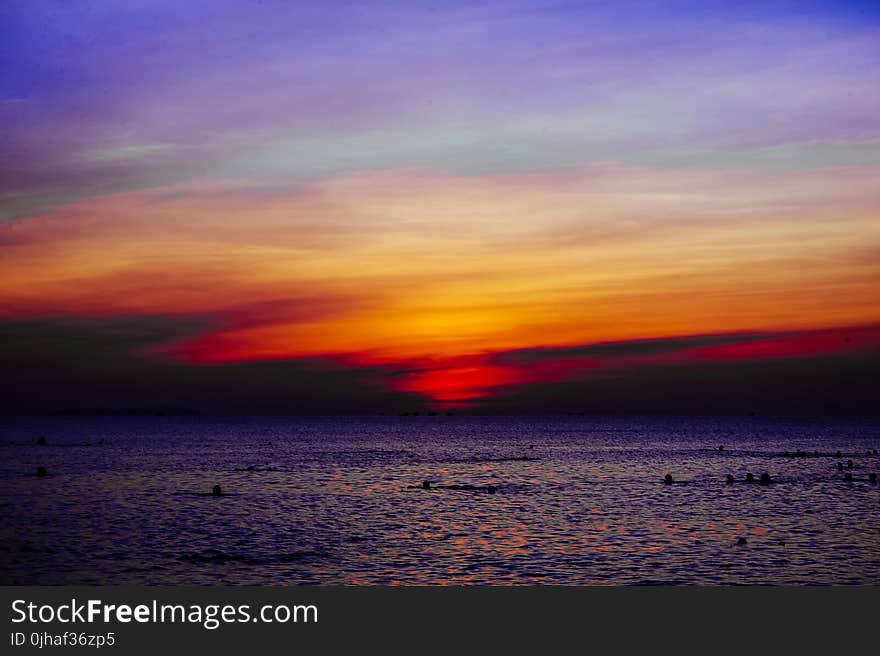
574,501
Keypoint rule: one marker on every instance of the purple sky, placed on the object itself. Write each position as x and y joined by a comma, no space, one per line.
102,96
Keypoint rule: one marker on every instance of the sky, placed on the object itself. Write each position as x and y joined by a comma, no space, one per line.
501,207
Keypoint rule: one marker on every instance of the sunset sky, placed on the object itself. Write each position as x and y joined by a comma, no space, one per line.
481,206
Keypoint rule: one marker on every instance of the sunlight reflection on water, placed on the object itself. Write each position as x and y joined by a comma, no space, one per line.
579,501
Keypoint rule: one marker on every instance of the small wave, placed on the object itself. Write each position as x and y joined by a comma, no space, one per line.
499,459
187,493
218,556
43,445
379,452
465,487
211,556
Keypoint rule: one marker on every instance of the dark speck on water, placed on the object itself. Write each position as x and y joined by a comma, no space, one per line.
337,501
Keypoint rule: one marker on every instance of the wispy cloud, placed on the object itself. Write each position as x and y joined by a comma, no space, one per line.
297,92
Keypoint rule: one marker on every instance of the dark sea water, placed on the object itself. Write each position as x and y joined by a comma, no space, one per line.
579,500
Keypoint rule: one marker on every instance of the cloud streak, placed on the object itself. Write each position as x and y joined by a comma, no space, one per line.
301,92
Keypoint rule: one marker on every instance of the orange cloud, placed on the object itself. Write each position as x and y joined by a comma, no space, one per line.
406,264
